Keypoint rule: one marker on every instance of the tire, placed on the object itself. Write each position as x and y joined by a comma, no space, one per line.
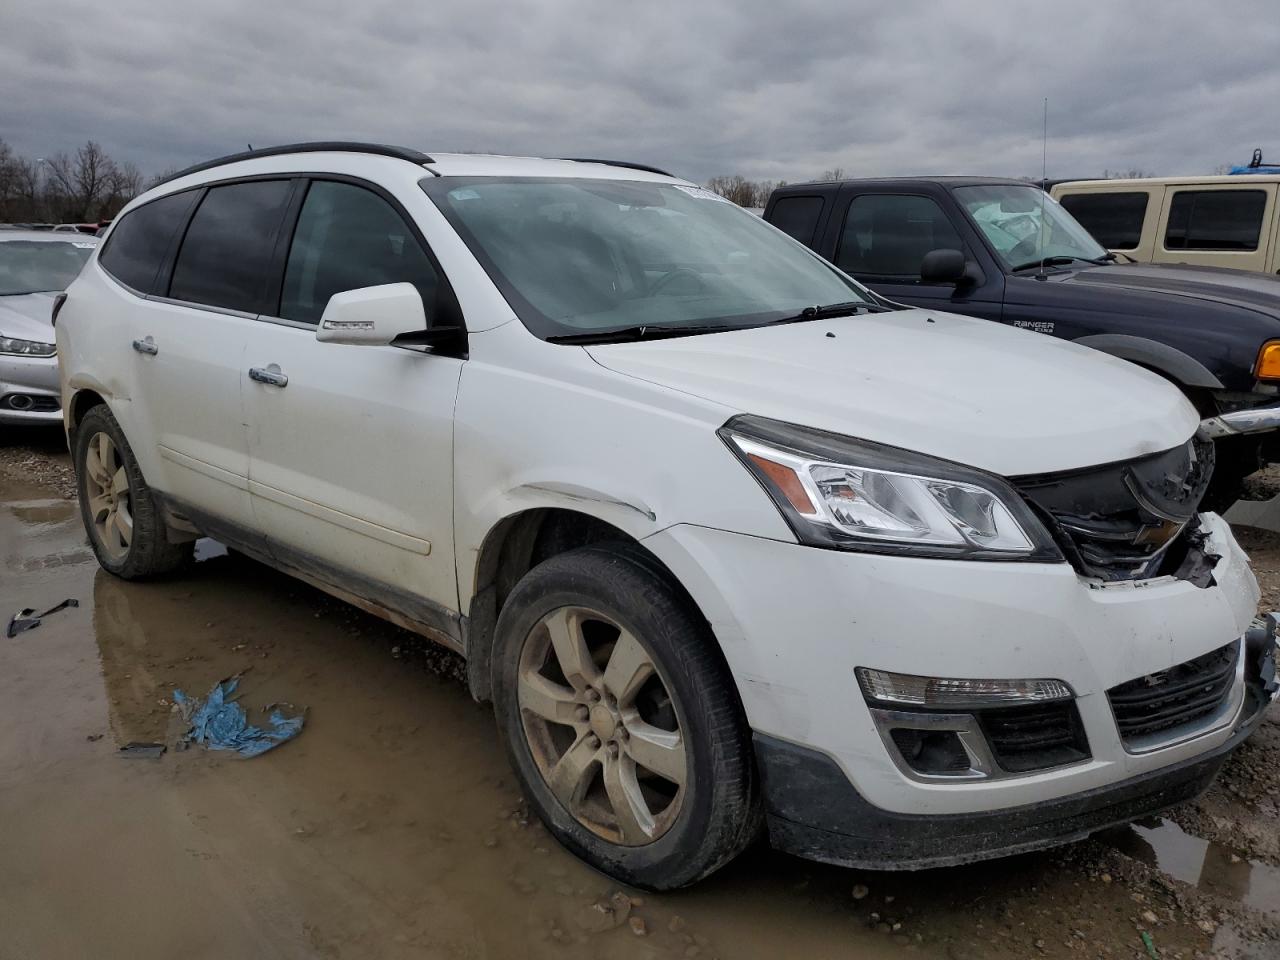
124,523
680,713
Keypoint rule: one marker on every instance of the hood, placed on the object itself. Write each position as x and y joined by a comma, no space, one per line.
1238,288
972,391
27,316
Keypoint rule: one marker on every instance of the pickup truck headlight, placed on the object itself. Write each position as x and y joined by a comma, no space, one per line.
842,493
26,348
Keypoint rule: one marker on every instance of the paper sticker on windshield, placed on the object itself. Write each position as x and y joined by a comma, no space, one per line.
82,245
463,193
702,193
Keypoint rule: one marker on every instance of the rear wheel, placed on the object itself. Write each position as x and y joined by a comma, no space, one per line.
621,719
120,514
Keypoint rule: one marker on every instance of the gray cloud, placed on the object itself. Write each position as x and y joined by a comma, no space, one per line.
762,89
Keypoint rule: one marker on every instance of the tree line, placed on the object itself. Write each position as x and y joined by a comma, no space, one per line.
86,186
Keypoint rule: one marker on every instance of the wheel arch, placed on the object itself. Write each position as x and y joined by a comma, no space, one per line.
1181,368
514,546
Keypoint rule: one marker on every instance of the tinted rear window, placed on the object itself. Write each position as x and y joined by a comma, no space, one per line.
139,242
226,254
797,217
1114,219
1215,220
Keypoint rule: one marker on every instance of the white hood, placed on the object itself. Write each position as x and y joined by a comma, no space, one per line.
27,316
973,391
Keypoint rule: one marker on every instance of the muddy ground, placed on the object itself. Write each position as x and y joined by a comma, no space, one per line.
393,828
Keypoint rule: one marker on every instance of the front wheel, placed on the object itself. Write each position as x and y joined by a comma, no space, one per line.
125,528
621,719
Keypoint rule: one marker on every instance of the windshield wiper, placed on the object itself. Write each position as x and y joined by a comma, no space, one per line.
1062,261
824,311
646,331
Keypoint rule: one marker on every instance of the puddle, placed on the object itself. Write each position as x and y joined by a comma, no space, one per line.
1208,866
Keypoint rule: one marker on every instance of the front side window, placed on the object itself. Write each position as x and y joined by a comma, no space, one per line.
348,237
888,235
1215,220
40,266
138,244
1114,219
1010,217
576,256
225,257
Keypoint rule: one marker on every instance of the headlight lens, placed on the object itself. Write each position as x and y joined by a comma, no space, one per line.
839,492
26,348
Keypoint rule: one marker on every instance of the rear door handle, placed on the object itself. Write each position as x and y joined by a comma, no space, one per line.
147,346
271,375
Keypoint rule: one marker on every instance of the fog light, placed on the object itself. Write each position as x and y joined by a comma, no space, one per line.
906,690
936,752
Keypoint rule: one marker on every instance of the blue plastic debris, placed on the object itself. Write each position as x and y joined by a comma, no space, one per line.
220,722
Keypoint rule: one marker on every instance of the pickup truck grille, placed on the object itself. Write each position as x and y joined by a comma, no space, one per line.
1129,520
1176,700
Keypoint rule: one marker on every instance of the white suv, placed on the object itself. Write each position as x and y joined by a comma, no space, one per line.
731,543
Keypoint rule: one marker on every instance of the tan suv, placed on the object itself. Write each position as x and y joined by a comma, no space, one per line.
1226,221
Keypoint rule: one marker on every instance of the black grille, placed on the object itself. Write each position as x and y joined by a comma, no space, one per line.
1180,698
1035,736
1129,520
36,403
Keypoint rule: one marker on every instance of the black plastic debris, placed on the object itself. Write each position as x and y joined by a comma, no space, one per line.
27,619
142,751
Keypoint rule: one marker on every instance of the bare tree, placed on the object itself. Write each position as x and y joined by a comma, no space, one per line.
83,182
744,192
828,176
1133,173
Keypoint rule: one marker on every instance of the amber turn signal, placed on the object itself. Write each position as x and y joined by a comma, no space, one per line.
1268,365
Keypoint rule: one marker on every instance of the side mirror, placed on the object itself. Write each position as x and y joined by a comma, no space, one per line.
372,316
942,266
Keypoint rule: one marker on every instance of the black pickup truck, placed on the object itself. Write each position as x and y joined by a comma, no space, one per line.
1004,250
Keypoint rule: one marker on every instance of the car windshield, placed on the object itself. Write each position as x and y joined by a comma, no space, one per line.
576,256
1009,215
37,266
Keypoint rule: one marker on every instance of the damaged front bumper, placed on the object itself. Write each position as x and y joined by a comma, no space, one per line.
813,811
796,624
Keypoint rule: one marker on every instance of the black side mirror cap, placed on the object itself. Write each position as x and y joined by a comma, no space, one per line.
943,266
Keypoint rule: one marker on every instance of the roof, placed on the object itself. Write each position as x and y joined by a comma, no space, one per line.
1237,180
48,236
944,181
443,164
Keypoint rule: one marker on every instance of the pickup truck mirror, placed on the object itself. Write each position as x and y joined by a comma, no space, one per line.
943,266
372,316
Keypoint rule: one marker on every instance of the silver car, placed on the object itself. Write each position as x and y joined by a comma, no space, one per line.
35,266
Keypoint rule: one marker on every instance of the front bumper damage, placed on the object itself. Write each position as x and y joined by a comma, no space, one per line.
814,811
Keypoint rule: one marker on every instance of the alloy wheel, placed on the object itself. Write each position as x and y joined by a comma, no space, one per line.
107,490
601,726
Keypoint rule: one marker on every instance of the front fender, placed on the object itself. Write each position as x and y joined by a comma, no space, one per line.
1170,361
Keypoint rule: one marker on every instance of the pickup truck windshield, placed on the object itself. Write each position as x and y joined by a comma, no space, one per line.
578,256
1009,216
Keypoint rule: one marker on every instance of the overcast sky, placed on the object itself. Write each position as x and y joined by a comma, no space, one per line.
769,90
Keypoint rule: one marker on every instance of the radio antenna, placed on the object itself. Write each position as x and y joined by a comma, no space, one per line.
1044,183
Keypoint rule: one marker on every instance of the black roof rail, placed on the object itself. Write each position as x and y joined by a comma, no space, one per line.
621,163
318,146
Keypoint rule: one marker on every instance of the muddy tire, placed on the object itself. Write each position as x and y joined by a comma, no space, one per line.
621,719
121,517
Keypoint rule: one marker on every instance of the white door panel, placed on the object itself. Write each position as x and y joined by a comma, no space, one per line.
191,389
352,460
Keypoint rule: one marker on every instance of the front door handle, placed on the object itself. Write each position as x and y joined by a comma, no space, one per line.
147,346
271,375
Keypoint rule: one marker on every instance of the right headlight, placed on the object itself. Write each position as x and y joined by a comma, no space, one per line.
842,493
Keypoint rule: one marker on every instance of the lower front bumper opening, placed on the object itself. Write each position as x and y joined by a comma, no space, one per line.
813,811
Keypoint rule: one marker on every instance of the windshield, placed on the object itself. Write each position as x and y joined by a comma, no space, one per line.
1009,215
37,266
581,256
